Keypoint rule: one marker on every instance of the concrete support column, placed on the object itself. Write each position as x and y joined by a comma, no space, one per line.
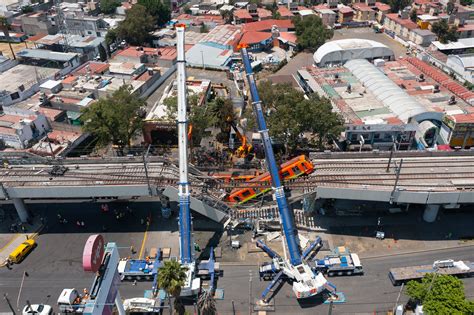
21,209
431,213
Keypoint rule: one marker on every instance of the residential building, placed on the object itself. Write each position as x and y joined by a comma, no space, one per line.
22,81
13,37
6,63
81,24
381,10
460,130
345,14
328,16
38,23
399,25
65,62
257,41
242,16
363,12
18,130
422,37
86,46
163,57
466,31
285,13
269,25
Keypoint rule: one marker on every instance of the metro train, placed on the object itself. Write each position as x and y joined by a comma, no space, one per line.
293,168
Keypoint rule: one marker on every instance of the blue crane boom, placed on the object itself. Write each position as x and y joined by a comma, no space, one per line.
285,215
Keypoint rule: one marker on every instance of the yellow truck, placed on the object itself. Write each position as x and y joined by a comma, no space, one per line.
21,251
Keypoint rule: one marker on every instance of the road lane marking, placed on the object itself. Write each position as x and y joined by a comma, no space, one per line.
144,241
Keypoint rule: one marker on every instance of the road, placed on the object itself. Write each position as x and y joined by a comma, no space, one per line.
56,264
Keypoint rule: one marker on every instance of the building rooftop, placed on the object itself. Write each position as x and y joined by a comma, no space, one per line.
24,75
391,94
382,6
344,45
166,53
46,54
254,37
242,14
266,25
76,41
263,13
462,43
326,11
362,7
404,22
284,11
92,67
222,36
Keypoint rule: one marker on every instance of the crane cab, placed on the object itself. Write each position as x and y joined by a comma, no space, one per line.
306,283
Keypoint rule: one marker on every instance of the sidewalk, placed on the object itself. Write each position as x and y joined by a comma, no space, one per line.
10,241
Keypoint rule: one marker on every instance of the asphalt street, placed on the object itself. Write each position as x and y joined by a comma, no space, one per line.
57,263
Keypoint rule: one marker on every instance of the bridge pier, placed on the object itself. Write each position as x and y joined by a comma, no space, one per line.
431,213
21,209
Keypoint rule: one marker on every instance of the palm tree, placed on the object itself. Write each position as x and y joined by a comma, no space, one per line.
207,304
171,278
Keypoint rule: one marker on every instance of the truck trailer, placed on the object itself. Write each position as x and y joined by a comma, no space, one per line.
341,262
443,267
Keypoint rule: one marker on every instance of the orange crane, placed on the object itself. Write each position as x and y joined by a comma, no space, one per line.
245,149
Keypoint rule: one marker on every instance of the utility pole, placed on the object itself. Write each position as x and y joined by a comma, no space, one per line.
250,292
233,308
145,156
398,298
399,169
5,297
25,274
390,158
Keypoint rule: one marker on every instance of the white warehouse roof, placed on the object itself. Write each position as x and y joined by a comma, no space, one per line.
385,90
340,51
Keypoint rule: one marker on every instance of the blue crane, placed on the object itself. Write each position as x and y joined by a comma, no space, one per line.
306,283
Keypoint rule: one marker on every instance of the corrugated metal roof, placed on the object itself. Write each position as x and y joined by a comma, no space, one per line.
391,95
46,54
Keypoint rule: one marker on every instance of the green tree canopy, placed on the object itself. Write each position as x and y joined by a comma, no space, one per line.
465,2
440,295
137,25
102,53
292,117
200,117
158,10
171,278
445,32
397,5
115,118
413,15
311,32
109,6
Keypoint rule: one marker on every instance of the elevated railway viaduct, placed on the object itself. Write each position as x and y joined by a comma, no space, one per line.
432,179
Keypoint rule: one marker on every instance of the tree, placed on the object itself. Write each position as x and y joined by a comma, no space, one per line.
158,10
397,5
187,9
115,118
137,25
109,6
465,2
290,115
450,7
311,32
27,9
111,37
207,304
227,16
413,15
199,117
440,294
445,32
102,53
171,278
204,28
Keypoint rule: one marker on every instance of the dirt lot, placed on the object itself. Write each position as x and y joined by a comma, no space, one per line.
5,50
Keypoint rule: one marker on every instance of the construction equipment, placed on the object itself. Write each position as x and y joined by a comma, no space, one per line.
103,294
442,267
245,150
341,262
306,283
193,282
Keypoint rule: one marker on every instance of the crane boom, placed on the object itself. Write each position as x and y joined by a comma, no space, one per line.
285,215
184,199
